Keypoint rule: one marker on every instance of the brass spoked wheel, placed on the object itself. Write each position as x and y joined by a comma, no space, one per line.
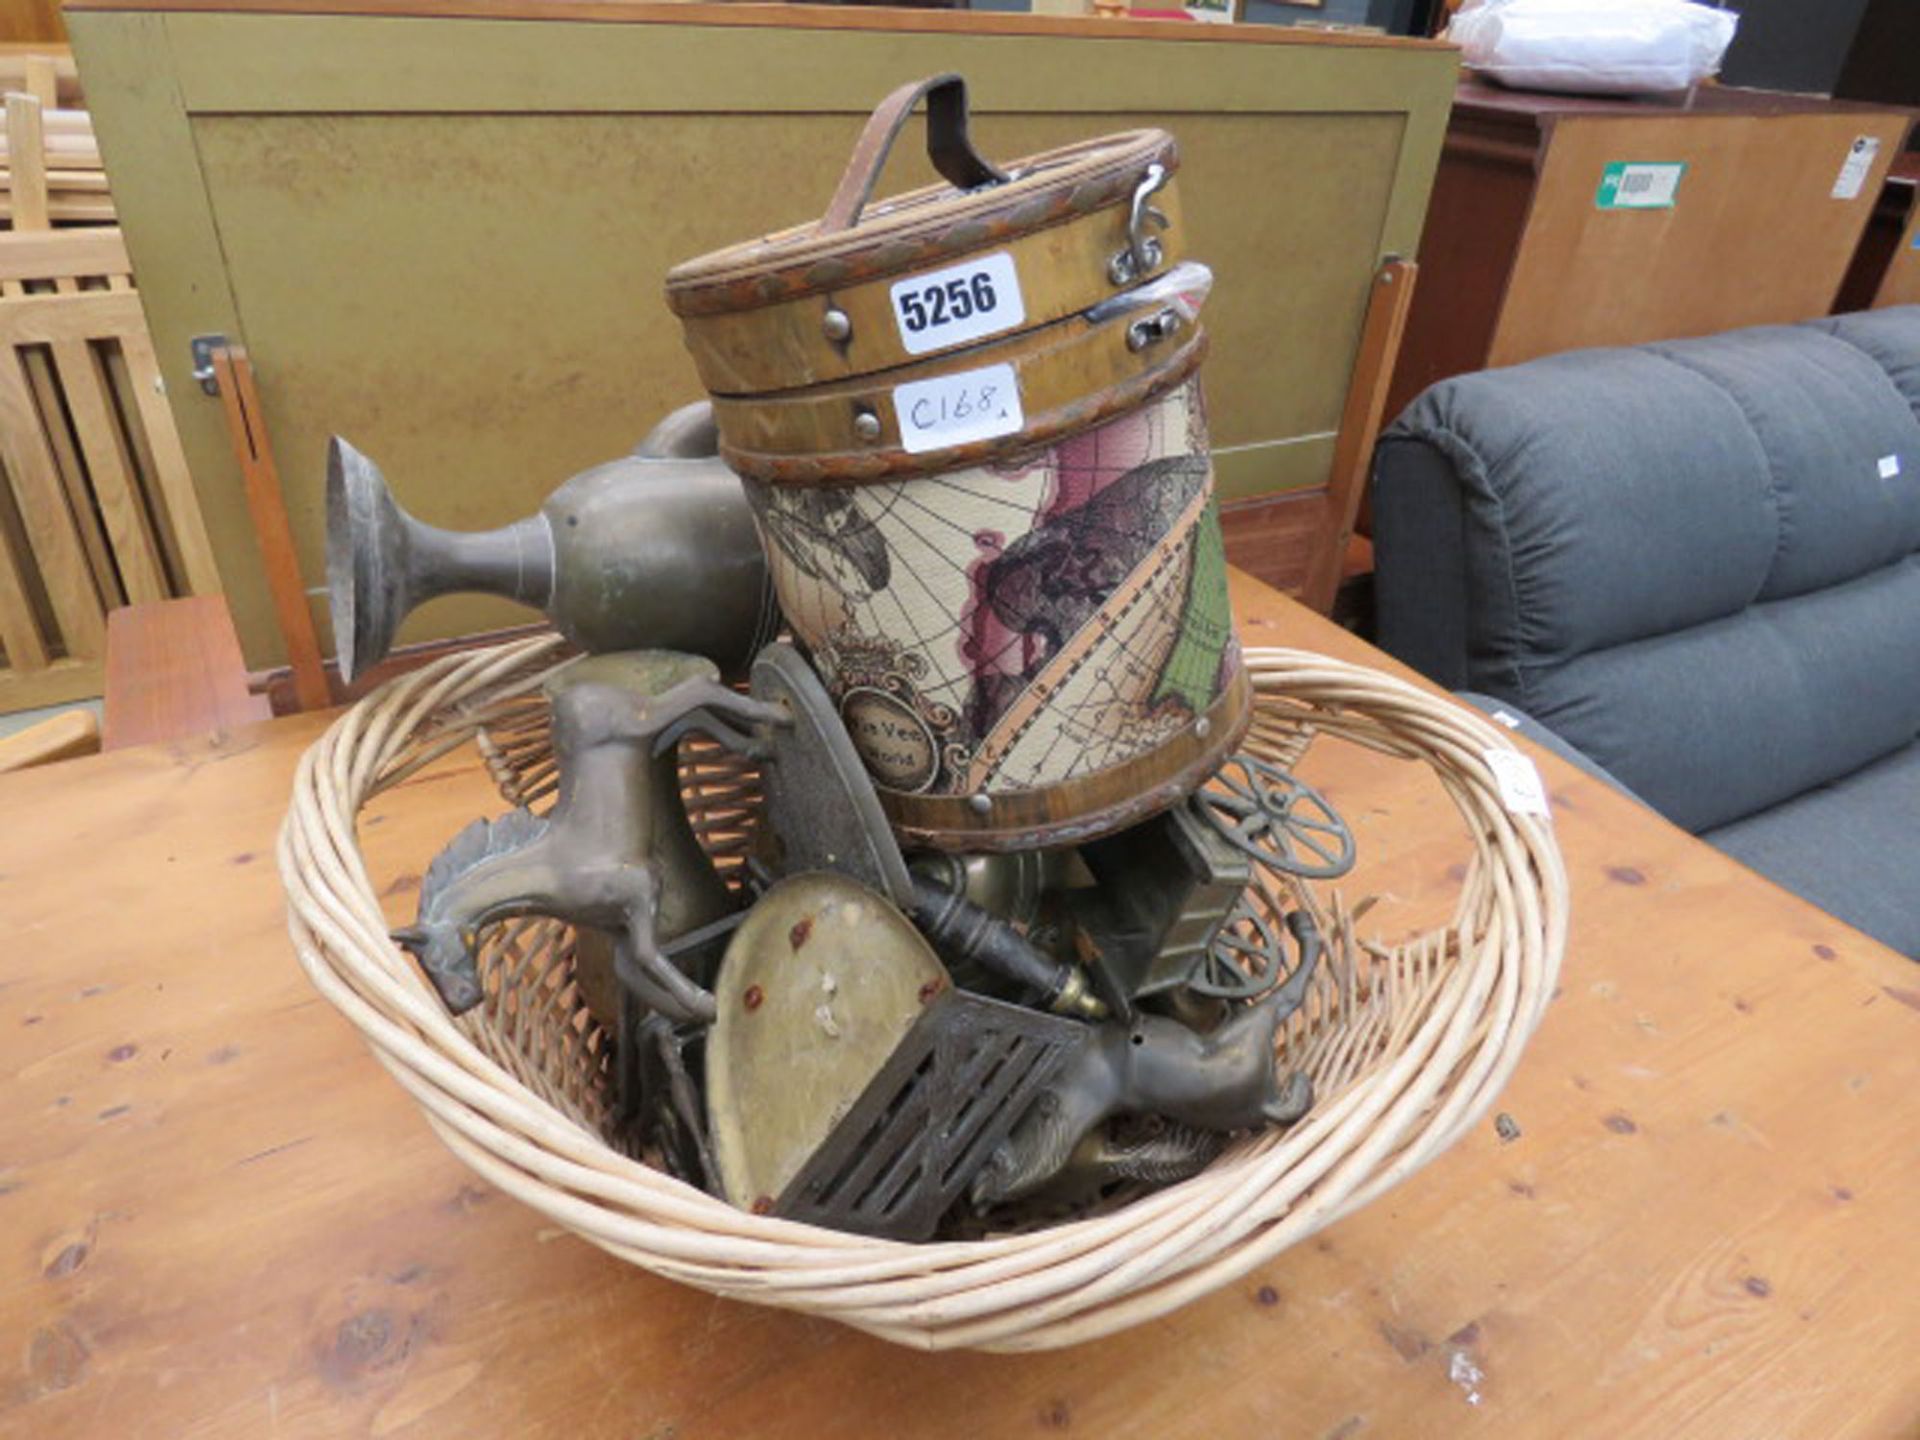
1280,822
1244,957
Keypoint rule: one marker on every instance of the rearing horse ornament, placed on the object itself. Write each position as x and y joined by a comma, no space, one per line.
616,853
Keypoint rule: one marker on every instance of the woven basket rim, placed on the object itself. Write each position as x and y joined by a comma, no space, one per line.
1440,1070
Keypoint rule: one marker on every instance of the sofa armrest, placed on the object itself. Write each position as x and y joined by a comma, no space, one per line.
1421,550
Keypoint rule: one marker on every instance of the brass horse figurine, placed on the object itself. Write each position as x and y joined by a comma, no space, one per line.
1206,1084
616,853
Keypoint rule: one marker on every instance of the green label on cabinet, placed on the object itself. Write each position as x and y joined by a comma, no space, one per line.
1639,185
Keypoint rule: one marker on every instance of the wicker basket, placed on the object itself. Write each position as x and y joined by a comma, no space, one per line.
1407,1045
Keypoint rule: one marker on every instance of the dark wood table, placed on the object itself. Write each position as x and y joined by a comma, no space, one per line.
221,1218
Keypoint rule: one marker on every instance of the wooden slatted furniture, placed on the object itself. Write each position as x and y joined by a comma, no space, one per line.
66,166
1693,1220
24,62
34,73
100,510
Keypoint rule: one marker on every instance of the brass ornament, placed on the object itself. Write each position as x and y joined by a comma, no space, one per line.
653,551
616,854
820,985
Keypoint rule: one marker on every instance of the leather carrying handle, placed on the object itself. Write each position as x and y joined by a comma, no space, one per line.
948,146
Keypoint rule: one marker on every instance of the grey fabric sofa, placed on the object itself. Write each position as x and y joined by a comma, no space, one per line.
1697,562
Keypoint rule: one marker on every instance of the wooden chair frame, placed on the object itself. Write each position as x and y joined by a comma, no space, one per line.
99,508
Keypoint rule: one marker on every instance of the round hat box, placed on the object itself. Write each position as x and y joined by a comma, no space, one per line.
971,430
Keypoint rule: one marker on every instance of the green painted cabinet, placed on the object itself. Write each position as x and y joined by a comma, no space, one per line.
442,232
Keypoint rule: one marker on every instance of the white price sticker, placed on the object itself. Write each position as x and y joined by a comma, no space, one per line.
958,409
1519,782
1853,170
1889,467
957,304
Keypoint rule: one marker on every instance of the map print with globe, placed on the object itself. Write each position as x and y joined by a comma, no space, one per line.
1009,627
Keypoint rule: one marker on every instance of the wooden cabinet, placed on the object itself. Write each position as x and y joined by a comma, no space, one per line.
1530,248
1886,268
1900,281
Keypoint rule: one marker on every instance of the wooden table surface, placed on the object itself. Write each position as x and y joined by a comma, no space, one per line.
218,1216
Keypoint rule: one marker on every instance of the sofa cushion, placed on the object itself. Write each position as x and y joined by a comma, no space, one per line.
1888,337
1828,418
1691,559
1848,846
1587,481
1720,720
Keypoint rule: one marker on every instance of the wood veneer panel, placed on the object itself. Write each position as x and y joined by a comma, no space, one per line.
1755,236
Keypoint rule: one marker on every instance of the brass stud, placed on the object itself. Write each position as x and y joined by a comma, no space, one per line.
866,425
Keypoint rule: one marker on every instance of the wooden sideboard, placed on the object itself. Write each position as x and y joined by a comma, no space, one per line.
1520,258
1886,268
1900,282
